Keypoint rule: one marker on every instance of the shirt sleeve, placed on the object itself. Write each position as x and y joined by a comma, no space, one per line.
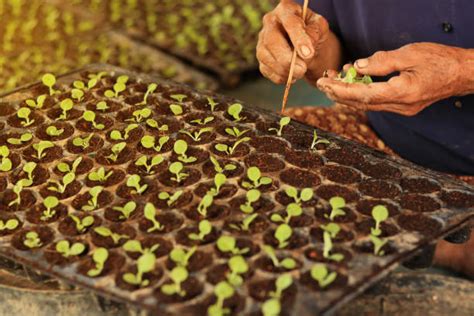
326,9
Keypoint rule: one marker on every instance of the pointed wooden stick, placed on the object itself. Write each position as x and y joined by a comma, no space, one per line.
292,65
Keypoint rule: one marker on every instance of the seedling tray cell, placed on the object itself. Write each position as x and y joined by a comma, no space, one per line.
423,206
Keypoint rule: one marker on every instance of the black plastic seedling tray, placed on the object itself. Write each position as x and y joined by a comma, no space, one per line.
424,206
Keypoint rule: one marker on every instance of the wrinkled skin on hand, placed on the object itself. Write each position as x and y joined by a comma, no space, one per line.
428,73
283,29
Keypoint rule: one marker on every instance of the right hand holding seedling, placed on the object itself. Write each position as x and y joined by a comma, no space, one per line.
274,51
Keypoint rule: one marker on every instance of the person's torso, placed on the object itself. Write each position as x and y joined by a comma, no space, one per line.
441,136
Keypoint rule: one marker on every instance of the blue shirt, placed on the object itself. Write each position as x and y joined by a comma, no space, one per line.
440,137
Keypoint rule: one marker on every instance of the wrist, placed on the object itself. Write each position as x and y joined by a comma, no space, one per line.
466,71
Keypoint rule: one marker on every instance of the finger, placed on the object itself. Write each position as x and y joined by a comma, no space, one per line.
295,28
330,73
402,109
379,92
381,63
347,67
268,73
280,54
317,27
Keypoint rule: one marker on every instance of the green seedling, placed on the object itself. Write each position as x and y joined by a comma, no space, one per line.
176,109
178,97
126,210
5,163
106,232
61,186
219,169
284,121
84,143
219,181
29,168
99,257
237,266
196,136
328,248
282,283
149,142
136,246
379,214
234,111
246,222
32,240
212,104
53,131
151,88
90,84
305,195
26,137
176,168
205,229
223,290
292,210
152,123
229,244
287,263
140,115
93,202
100,175
24,115
170,199
41,147
180,147
316,141
66,168
271,307
320,273
337,204
49,203
119,86
181,257
229,150
77,94
178,275
145,264
204,204
117,135
134,182
143,162
252,196
17,189
379,243
38,103
332,229
102,106
82,224
49,80
90,117
150,214
116,151
283,234
351,76
203,121
10,224
66,105
234,131
67,250
255,176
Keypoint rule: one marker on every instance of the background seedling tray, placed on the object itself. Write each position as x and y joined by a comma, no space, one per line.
176,26
34,36
367,176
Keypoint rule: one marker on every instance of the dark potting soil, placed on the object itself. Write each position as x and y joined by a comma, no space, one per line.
365,207
265,162
169,221
380,170
299,178
95,144
304,159
340,174
326,192
419,223
113,264
379,189
419,185
419,203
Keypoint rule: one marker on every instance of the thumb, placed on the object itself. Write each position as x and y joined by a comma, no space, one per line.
381,63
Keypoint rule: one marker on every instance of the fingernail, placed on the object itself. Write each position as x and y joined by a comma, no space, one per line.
305,51
362,63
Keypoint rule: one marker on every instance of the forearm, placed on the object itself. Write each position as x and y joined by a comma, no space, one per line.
466,71
329,56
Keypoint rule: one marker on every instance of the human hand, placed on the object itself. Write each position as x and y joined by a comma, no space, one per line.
456,257
428,73
274,50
